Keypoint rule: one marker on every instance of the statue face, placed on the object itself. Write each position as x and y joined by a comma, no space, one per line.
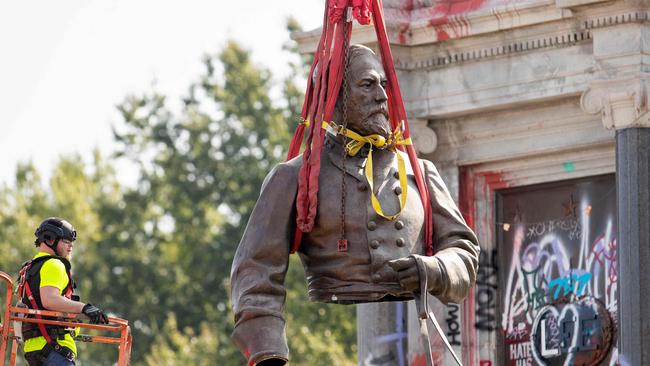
367,102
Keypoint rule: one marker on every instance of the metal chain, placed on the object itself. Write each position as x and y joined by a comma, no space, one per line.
342,246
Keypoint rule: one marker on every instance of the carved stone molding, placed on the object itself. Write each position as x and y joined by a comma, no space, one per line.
576,3
424,138
449,58
621,103
638,16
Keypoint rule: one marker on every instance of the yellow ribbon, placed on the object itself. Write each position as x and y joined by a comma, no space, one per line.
353,147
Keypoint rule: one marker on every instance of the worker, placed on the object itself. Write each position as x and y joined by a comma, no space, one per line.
46,283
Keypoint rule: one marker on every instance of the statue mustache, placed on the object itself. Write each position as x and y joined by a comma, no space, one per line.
382,110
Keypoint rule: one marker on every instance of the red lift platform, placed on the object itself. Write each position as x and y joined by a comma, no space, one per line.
13,314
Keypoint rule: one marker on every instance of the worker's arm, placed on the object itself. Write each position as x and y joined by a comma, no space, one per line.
52,300
54,279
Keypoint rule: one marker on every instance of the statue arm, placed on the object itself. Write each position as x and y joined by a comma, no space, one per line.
455,246
259,269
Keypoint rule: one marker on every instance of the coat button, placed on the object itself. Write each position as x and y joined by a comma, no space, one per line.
397,190
362,187
399,242
399,224
376,277
374,244
396,174
372,225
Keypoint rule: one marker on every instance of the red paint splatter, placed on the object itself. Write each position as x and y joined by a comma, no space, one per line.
495,180
491,181
403,30
420,359
469,337
401,15
487,183
467,196
441,14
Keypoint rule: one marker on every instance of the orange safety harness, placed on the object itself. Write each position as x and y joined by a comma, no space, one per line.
29,272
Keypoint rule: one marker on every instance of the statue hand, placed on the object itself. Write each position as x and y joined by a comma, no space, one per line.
409,275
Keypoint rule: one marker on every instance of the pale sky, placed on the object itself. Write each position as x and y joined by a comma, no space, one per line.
64,65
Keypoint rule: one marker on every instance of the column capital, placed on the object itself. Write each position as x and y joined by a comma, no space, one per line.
424,137
622,103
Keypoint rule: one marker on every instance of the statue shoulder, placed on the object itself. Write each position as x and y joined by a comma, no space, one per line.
284,174
428,167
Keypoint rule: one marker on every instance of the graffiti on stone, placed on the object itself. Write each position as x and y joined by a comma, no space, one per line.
520,354
486,291
559,275
453,324
572,284
577,333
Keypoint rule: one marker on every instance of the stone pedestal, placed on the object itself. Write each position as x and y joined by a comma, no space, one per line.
382,334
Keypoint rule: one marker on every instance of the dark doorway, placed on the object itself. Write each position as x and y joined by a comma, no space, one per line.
557,272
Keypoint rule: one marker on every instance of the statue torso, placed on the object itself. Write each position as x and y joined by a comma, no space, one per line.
360,274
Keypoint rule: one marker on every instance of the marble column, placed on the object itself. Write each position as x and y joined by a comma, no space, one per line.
623,104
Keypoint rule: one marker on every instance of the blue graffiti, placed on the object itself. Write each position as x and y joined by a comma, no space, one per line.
571,284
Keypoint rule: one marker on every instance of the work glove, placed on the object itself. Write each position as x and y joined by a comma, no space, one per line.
411,269
95,315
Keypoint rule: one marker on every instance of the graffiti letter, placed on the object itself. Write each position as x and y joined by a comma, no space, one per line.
559,283
486,285
567,326
453,328
546,352
588,327
582,282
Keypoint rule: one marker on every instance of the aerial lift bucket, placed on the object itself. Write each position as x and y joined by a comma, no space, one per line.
13,314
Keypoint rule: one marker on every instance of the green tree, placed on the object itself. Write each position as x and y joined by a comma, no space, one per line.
76,191
206,167
159,254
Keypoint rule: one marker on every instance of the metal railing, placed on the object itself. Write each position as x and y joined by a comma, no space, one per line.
12,314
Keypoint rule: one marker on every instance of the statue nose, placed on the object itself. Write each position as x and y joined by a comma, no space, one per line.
380,95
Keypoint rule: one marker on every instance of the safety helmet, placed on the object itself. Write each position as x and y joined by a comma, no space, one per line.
55,228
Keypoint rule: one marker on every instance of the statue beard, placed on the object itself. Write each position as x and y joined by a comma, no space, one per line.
376,124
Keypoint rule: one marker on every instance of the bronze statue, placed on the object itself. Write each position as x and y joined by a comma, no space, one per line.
380,261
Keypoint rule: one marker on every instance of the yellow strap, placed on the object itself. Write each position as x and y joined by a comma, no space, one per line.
358,142
401,168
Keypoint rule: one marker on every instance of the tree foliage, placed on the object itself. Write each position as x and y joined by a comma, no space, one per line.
159,253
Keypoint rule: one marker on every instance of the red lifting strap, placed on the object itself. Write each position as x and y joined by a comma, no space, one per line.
41,326
24,285
323,87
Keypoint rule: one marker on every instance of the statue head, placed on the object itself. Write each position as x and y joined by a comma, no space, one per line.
366,102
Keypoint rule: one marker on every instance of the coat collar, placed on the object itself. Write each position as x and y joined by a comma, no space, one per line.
354,165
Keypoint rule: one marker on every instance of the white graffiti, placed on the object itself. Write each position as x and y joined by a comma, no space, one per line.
535,264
